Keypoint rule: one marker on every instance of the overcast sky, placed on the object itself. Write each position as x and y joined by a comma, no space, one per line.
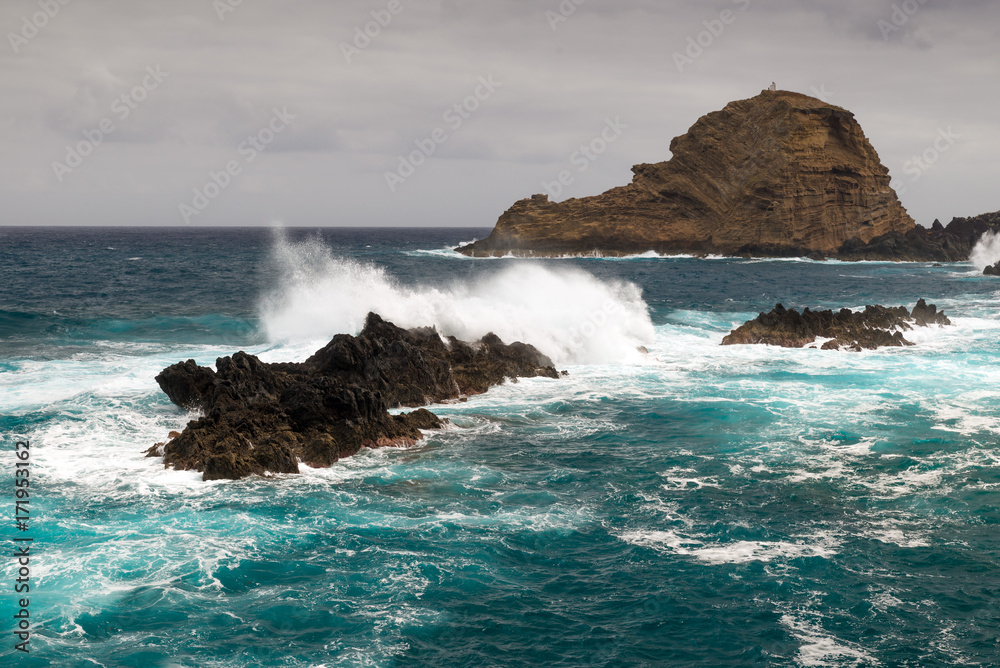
201,76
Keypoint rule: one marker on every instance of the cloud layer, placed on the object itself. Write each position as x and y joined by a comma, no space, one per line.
910,70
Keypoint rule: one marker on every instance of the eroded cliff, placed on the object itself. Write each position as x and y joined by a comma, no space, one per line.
778,174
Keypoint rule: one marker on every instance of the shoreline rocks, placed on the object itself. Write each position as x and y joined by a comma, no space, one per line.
875,327
938,243
261,418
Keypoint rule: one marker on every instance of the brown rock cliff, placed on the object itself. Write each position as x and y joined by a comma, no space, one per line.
778,174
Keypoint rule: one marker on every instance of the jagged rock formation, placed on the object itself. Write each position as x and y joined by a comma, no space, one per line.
872,328
992,270
264,418
938,243
778,174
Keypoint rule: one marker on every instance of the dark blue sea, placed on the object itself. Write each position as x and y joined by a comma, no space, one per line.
698,505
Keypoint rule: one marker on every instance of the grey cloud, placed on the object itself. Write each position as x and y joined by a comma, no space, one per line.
607,59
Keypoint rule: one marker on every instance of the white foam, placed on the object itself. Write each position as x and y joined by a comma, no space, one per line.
986,252
587,255
965,420
746,551
899,537
738,552
567,313
681,479
884,600
821,649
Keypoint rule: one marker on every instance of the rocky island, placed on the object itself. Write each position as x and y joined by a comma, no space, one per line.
875,327
261,418
781,174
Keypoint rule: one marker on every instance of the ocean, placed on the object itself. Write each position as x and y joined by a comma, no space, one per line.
698,505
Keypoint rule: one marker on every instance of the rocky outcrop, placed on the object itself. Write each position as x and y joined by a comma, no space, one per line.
938,243
779,174
261,418
875,327
992,270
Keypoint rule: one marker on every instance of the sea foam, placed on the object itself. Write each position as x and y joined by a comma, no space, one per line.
986,252
567,313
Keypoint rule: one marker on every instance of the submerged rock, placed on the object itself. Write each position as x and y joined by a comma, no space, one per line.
875,327
261,418
780,174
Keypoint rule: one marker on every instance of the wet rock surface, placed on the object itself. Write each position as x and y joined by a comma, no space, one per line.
261,418
875,327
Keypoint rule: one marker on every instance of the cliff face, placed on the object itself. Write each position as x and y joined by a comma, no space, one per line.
780,173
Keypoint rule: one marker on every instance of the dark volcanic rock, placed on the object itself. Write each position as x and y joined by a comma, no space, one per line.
938,243
872,328
186,383
264,418
993,270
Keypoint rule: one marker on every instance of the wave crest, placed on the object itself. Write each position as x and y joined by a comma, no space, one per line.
567,313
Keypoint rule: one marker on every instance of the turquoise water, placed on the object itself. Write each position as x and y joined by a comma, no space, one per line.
696,506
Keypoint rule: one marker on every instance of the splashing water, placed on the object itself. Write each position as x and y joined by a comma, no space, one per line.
568,314
987,251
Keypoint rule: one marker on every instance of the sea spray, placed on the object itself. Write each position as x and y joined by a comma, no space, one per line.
567,313
986,252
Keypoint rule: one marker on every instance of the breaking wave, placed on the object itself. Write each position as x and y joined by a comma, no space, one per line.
986,251
568,314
